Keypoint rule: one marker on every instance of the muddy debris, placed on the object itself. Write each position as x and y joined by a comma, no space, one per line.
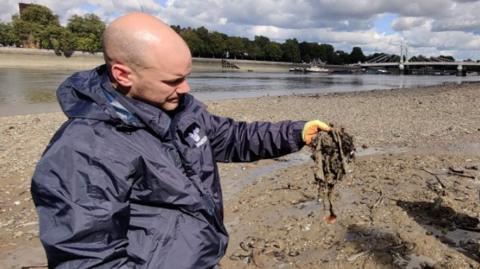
472,167
255,250
331,152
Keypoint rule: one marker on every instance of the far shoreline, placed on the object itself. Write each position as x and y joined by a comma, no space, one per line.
48,60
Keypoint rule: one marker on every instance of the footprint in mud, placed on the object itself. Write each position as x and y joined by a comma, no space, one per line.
457,230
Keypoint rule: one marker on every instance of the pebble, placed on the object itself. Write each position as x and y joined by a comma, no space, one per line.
32,223
17,234
293,253
307,227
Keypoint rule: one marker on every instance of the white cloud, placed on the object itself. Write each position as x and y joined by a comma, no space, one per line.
461,17
407,23
7,9
431,27
222,21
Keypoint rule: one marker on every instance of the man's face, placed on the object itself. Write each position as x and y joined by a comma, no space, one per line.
159,77
160,88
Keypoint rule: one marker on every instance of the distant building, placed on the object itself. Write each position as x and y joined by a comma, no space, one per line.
23,6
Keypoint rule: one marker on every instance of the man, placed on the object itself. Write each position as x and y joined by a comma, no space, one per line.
130,180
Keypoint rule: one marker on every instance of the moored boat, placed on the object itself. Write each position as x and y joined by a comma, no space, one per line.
317,69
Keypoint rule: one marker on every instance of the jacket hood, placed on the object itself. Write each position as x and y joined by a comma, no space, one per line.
90,95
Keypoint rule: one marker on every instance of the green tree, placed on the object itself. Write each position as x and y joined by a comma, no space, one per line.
176,28
203,33
87,32
253,51
235,47
291,51
261,42
316,52
30,27
206,46
246,43
67,43
447,58
7,35
86,43
218,44
49,37
60,40
40,15
305,51
356,55
273,51
25,31
194,42
340,57
327,53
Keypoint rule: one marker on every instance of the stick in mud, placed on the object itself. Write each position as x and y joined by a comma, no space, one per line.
331,152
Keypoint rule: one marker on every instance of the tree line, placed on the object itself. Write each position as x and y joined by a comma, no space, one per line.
38,27
205,43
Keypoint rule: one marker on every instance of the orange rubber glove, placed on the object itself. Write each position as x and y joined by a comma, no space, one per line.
311,128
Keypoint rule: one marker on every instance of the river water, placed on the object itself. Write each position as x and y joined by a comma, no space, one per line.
25,91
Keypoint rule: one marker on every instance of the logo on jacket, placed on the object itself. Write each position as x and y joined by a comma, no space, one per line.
195,135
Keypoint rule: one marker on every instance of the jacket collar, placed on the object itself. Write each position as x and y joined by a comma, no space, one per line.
140,114
90,94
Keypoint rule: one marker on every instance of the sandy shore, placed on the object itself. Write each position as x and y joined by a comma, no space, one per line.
410,143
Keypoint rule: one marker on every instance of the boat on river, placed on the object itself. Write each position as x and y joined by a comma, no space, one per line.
310,69
297,69
317,69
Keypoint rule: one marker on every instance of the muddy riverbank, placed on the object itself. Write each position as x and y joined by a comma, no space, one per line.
410,200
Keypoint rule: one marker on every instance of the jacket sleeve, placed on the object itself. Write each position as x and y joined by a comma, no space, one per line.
83,209
241,141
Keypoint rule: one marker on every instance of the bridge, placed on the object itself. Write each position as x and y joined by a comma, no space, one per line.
418,64
411,67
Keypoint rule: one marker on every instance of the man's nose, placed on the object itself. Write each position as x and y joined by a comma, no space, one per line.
183,87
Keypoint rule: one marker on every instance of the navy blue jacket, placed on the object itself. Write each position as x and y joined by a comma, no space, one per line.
123,184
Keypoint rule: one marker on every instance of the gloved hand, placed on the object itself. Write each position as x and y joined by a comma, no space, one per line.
311,128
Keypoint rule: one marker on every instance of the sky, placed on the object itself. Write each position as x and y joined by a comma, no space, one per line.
429,27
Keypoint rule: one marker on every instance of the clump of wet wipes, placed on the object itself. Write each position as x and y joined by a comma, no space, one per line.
332,151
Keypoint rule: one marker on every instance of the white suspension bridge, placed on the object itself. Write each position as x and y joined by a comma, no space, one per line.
415,65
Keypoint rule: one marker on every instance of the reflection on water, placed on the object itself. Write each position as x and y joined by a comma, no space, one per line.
210,86
23,87
40,96
30,91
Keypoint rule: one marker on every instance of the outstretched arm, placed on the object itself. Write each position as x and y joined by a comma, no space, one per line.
242,141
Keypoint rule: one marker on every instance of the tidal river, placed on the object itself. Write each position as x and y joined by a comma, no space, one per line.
24,91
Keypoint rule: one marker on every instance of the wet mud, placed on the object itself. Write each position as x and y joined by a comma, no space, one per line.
392,213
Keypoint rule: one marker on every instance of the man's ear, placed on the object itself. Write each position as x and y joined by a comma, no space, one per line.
122,74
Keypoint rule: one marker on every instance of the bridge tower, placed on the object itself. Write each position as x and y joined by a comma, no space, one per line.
403,55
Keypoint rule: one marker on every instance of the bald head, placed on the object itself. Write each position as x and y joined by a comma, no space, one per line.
140,40
147,60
